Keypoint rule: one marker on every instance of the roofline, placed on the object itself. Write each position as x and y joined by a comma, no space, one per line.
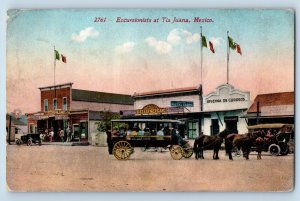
275,93
57,86
103,92
167,91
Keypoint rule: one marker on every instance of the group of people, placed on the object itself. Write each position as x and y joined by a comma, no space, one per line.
61,133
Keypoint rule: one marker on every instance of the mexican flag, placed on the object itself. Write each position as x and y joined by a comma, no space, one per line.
57,56
233,45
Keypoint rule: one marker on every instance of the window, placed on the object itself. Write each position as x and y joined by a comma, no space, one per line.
46,105
65,103
192,129
54,104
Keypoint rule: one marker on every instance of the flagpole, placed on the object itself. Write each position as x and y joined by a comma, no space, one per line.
228,51
54,64
201,48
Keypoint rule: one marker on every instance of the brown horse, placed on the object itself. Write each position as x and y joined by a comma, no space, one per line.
240,141
206,142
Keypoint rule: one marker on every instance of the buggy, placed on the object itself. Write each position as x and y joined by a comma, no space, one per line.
126,134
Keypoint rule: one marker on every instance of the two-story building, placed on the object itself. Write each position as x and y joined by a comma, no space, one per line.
63,107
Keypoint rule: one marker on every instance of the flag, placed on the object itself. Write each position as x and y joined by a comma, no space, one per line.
56,55
231,43
238,49
203,39
63,58
211,47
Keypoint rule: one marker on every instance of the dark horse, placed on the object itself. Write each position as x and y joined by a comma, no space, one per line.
206,142
240,141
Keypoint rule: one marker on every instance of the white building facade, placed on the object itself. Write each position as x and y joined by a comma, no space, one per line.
223,108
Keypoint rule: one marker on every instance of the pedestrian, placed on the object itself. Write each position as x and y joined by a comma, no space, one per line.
61,133
51,134
68,134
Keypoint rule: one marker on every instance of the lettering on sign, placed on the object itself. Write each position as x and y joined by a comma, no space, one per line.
226,100
182,104
151,109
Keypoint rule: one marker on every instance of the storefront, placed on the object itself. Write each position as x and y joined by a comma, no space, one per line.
223,108
181,104
79,110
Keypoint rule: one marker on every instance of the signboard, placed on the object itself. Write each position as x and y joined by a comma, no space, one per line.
225,100
151,109
182,104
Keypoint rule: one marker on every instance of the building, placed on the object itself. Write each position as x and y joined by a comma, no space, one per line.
15,126
63,107
181,103
220,109
272,108
224,108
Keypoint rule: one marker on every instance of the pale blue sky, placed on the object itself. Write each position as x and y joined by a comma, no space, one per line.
136,57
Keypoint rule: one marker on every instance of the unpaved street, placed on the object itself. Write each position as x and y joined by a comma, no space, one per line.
88,168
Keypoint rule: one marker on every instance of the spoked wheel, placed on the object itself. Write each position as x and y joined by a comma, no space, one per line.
176,152
122,150
187,151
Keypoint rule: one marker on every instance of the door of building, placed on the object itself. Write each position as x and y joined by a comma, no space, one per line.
76,132
231,123
214,128
192,129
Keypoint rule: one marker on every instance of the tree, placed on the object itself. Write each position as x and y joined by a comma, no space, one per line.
105,123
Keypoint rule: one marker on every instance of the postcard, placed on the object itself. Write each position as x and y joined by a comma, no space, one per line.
150,100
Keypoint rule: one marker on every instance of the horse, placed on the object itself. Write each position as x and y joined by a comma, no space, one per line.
240,141
205,142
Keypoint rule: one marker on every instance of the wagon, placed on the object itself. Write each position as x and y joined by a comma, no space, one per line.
29,139
277,143
126,134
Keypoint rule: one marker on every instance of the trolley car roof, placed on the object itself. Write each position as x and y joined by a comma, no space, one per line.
147,120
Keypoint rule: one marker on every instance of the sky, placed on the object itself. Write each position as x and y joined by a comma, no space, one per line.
139,57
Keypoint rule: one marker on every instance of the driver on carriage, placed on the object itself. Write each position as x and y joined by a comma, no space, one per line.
177,138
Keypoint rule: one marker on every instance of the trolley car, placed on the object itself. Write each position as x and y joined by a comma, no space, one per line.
126,134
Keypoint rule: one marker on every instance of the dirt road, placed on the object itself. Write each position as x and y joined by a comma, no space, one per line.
67,168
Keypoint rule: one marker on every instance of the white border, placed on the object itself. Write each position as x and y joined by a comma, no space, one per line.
10,4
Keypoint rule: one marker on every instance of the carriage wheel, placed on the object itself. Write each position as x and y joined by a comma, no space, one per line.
176,152
187,152
29,142
122,150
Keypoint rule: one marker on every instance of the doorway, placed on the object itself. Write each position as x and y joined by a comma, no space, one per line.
231,123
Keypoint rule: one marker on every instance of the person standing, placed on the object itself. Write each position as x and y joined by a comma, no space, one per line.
62,134
68,134
51,134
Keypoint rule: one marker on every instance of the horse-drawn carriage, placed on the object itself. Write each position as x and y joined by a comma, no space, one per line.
276,137
126,134
29,139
